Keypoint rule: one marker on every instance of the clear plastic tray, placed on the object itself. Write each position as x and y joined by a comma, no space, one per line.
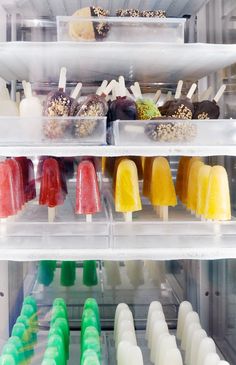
122,29
53,130
175,132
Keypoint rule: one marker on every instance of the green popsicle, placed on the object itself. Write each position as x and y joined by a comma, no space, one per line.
91,343
7,360
68,273
91,303
64,326
60,301
90,273
28,311
14,340
88,319
49,361
53,353
56,330
56,341
31,300
19,330
10,349
45,272
91,356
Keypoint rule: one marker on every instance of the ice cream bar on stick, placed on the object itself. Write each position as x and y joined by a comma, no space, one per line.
207,109
146,108
127,198
88,200
31,105
7,106
18,183
181,175
7,200
52,193
168,102
203,181
27,169
193,186
162,187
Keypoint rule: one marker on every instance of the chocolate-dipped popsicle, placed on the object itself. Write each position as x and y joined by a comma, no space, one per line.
169,101
146,108
208,109
182,108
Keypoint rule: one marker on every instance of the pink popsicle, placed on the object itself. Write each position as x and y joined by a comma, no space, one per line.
88,199
7,202
28,177
18,183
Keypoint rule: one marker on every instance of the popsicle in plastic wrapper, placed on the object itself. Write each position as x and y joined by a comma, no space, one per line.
8,108
127,198
218,197
162,187
193,186
203,182
88,200
52,192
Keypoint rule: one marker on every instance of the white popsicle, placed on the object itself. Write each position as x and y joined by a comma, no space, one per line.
155,316
160,326
160,329
119,308
166,343
152,307
129,336
112,273
184,309
125,314
31,105
173,357
191,329
122,351
123,326
198,336
135,356
211,359
207,346
7,106
191,317
135,272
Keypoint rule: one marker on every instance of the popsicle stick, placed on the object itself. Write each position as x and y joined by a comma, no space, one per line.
179,89
219,93
128,217
24,85
117,89
164,213
51,214
62,79
29,90
109,87
18,98
134,91
128,94
122,86
157,210
191,91
76,91
89,218
157,96
168,96
113,96
138,89
206,94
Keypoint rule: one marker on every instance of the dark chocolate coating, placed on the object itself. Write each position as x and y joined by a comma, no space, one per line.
122,108
206,109
100,28
165,107
58,104
181,109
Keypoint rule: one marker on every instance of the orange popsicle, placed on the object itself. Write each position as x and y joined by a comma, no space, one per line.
193,185
186,177
127,198
218,198
147,176
203,181
181,175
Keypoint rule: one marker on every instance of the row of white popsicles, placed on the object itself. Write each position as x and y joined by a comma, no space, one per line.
198,348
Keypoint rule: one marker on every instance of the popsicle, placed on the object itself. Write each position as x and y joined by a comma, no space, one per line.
45,273
207,109
89,357
10,349
31,105
203,182
166,343
91,303
191,317
52,193
156,272
207,346
188,331
153,307
135,356
162,186
88,200
120,307
193,186
147,175
90,273
198,336
211,359
146,108
186,178
134,269
18,183
127,198
218,197
124,326
124,314
57,342
113,277
181,175
7,106
184,308
7,360
68,273
7,201
169,101
172,356
122,351
19,346
128,336
52,354
27,169
155,316
159,328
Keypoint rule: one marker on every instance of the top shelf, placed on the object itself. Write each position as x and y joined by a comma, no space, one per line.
52,8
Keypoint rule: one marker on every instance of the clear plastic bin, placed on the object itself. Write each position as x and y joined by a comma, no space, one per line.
53,130
175,132
120,29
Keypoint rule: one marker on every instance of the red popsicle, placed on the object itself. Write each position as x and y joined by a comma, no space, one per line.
7,201
18,191
88,199
52,193
27,168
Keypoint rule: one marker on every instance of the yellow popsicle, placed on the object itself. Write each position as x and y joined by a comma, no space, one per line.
193,185
147,176
186,177
162,186
127,198
203,181
218,198
182,168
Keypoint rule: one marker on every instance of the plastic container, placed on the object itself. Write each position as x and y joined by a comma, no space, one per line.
175,132
53,130
119,29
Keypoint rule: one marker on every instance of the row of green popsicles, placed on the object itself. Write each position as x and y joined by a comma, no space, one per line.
46,271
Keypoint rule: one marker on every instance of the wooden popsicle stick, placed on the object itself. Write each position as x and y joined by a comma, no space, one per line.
24,85
179,89
102,87
113,96
122,86
157,210
128,216
138,89
76,91
157,96
109,87
164,213
191,91
18,98
89,218
51,214
128,94
206,94
134,91
168,96
62,79
29,90
219,93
